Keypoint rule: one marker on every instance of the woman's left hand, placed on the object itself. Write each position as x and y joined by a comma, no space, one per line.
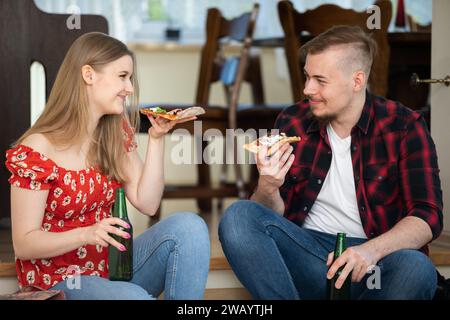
160,126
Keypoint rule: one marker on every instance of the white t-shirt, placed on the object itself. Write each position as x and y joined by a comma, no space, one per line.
336,209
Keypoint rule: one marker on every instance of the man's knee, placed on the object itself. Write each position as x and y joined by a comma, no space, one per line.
415,275
238,215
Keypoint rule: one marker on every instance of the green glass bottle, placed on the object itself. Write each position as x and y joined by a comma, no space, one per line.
344,292
121,262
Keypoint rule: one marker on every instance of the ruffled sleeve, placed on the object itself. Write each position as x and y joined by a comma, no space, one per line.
30,169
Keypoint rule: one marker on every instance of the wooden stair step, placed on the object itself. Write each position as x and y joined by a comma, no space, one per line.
227,294
188,192
223,294
219,263
439,255
7,269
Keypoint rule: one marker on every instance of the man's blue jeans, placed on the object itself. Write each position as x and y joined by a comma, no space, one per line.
276,259
172,256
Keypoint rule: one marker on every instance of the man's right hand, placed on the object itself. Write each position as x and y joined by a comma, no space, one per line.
273,169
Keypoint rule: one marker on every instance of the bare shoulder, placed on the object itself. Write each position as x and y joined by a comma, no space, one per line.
38,142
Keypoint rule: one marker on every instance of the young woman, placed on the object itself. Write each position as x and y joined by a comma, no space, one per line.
65,170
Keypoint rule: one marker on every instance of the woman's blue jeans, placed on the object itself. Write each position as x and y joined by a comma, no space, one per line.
276,259
171,256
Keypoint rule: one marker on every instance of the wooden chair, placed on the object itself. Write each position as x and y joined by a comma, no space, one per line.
28,34
322,18
232,72
414,26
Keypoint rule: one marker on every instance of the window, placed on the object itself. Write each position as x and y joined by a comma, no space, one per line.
135,20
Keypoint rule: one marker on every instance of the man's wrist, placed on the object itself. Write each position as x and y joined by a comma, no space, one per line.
373,246
266,189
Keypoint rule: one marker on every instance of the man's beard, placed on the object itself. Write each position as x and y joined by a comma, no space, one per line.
323,120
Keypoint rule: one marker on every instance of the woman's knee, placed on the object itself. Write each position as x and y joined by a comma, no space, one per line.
133,292
189,227
96,288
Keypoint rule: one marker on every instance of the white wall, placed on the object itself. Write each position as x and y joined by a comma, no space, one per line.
440,97
169,74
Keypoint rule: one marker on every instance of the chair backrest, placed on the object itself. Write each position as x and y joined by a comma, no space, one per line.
414,26
322,18
214,66
26,35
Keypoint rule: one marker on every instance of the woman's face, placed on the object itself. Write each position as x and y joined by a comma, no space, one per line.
109,86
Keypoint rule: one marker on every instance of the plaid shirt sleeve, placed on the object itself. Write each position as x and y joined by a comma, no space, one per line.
419,176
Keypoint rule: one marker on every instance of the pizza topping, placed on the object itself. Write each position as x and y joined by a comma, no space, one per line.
270,140
158,110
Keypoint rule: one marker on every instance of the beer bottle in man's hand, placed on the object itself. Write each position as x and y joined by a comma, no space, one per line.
121,262
344,292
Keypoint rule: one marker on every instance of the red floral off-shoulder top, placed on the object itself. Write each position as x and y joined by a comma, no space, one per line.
76,199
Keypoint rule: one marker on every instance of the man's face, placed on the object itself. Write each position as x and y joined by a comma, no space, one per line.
329,83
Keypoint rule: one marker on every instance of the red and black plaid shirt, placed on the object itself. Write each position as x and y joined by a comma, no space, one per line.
394,159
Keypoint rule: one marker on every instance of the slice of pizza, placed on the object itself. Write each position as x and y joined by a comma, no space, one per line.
176,114
272,142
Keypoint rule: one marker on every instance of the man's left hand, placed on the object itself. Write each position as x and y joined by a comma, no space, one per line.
356,259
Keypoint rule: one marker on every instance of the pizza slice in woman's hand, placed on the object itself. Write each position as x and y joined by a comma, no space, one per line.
176,114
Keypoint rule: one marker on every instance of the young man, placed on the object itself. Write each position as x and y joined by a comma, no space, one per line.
366,166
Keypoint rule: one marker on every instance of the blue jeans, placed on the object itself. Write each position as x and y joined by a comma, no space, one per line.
276,259
171,256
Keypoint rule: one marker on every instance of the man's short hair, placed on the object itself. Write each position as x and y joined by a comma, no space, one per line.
365,45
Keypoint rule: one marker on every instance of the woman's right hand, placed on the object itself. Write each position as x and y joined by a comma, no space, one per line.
99,233
161,126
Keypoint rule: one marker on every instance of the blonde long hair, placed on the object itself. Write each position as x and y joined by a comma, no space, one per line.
65,118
